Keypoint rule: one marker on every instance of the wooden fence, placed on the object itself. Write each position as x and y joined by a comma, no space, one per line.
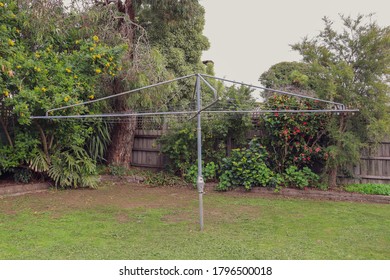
147,150
374,166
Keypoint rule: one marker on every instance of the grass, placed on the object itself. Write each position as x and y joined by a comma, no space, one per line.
154,223
379,189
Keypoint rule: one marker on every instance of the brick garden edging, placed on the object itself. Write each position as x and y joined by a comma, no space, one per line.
17,189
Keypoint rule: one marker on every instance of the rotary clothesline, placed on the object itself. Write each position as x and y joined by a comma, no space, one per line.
193,112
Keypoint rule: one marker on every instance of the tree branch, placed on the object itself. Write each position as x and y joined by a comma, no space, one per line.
6,132
43,140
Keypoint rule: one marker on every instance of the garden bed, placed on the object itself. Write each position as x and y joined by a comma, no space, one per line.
8,188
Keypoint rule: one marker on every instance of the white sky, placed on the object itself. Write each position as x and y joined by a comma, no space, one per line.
249,36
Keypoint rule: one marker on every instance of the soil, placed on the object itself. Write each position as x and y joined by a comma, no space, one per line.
128,193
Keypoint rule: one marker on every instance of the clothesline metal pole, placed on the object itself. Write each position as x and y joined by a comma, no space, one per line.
200,181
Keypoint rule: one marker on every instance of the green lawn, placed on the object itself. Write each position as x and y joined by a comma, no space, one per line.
133,222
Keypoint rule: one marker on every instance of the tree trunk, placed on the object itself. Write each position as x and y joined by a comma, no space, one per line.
121,149
122,135
332,179
43,141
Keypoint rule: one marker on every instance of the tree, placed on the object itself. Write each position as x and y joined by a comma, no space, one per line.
350,67
294,77
43,67
165,40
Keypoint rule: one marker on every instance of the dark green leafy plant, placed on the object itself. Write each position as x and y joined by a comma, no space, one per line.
300,178
72,167
209,173
245,167
179,146
22,175
295,139
379,189
117,170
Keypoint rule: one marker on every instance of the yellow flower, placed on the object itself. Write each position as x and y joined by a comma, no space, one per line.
77,42
95,38
75,76
1,4
37,69
37,55
18,67
68,70
66,99
98,71
11,42
110,58
6,93
91,96
108,64
44,89
91,49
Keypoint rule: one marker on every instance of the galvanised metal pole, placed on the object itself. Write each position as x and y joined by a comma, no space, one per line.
200,181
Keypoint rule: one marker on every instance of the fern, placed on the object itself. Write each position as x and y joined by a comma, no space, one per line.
39,162
72,167
99,140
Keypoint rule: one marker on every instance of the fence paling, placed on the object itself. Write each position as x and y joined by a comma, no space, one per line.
374,166
146,150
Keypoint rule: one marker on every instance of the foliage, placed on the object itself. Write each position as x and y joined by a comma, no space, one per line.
43,67
22,175
351,67
179,143
180,148
295,139
72,167
245,167
117,170
300,178
287,75
175,29
209,172
379,189
161,179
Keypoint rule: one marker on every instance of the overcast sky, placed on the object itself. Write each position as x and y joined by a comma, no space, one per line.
249,36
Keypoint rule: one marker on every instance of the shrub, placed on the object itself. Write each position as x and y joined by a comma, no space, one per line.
245,167
209,173
22,175
295,139
300,178
117,170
